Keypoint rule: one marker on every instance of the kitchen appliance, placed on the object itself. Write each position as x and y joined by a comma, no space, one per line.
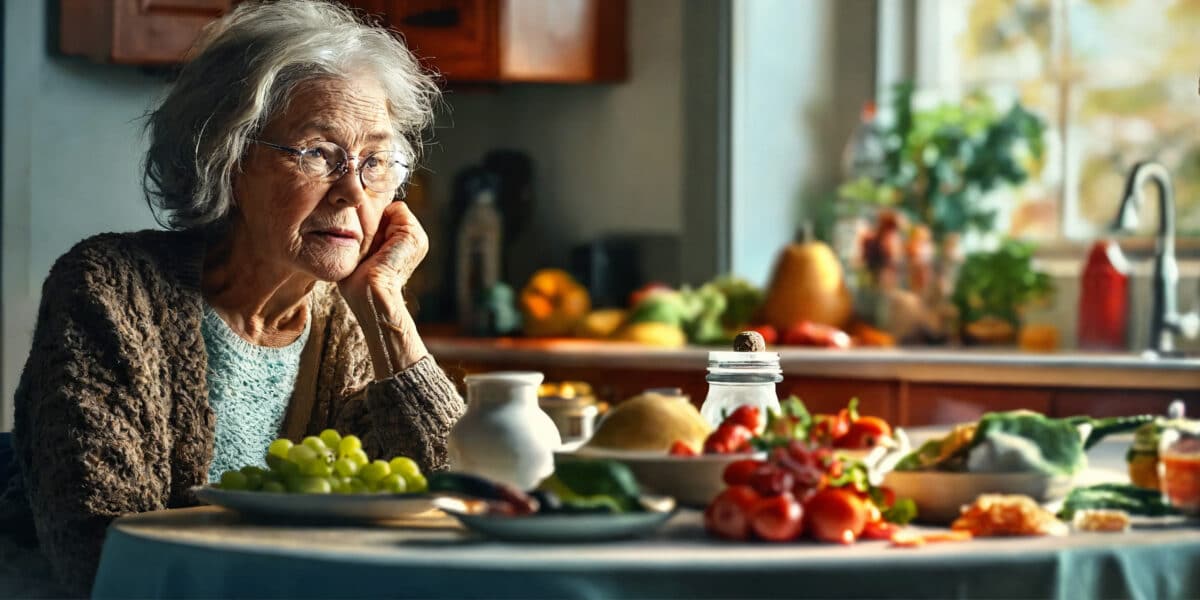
615,265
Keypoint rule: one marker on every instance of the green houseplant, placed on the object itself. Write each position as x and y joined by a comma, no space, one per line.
938,163
997,285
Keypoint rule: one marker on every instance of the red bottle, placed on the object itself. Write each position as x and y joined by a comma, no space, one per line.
1104,299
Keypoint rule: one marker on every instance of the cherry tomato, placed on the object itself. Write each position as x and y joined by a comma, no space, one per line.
679,448
728,516
769,333
747,416
835,515
879,530
777,519
771,480
738,472
729,437
866,432
828,428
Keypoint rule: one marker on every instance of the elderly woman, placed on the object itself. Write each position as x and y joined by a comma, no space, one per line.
272,307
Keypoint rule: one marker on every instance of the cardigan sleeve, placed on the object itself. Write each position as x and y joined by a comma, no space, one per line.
91,442
408,414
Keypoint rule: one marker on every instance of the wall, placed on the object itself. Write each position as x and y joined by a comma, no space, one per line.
73,146
606,158
801,72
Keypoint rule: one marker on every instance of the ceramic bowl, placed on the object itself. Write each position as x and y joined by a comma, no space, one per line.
692,480
940,495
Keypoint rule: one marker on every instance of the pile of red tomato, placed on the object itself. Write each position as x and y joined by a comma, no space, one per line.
802,489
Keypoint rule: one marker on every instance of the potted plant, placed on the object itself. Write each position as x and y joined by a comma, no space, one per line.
993,288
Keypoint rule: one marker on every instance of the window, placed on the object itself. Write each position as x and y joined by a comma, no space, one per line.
1115,80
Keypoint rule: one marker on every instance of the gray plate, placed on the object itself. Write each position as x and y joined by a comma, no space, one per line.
558,527
318,507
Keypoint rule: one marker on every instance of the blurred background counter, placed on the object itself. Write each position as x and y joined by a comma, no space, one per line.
905,386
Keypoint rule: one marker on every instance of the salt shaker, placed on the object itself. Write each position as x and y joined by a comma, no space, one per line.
741,378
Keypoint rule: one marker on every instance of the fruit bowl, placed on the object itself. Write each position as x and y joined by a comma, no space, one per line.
939,495
692,480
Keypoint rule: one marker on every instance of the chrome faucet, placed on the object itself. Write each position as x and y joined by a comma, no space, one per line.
1165,320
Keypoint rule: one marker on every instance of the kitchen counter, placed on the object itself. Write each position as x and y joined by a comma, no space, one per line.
941,365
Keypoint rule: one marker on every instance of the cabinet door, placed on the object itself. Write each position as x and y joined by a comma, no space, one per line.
944,404
457,38
140,32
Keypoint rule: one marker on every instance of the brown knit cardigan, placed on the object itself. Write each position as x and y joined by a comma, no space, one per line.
112,413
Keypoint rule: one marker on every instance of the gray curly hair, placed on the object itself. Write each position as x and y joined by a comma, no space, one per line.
243,72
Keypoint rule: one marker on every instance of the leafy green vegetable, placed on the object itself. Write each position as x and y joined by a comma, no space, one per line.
998,284
1129,498
791,422
1018,441
1054,447
704,308
902,512
593,482
742,300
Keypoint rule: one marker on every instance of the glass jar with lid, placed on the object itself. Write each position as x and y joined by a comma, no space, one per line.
1179,461
740,378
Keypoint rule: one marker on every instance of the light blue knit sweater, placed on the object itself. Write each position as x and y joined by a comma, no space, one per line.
249,388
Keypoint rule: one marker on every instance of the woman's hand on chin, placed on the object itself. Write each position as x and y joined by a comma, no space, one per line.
399,245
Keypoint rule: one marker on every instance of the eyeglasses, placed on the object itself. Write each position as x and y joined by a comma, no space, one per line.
382,171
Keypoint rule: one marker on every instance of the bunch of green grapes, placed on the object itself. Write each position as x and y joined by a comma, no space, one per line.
326,464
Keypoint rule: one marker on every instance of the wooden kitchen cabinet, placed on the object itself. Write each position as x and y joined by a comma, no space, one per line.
136,32
553,41
493,41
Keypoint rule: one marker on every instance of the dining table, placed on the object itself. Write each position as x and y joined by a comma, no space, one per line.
206,552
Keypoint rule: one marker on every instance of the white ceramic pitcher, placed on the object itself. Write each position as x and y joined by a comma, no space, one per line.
504,436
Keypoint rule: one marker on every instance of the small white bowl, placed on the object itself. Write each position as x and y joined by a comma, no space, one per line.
940,495
692,480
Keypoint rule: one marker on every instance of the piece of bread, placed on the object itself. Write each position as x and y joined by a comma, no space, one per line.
651,422
1007,514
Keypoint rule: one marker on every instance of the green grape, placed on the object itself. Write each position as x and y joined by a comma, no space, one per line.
327,456
254,477
345,467
405,466
372,473
311,485
341,485
280,447
393,484
302,455
331,438
358,456
416,484
349,444
316,468
285,469
358,486
315,443
233,480
275,487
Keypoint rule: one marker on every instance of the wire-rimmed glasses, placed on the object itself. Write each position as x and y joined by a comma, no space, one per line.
382,172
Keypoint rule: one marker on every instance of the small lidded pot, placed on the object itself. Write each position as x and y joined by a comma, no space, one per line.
573,408
504,436
1179,463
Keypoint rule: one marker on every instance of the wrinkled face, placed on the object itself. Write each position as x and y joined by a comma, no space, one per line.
306,224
